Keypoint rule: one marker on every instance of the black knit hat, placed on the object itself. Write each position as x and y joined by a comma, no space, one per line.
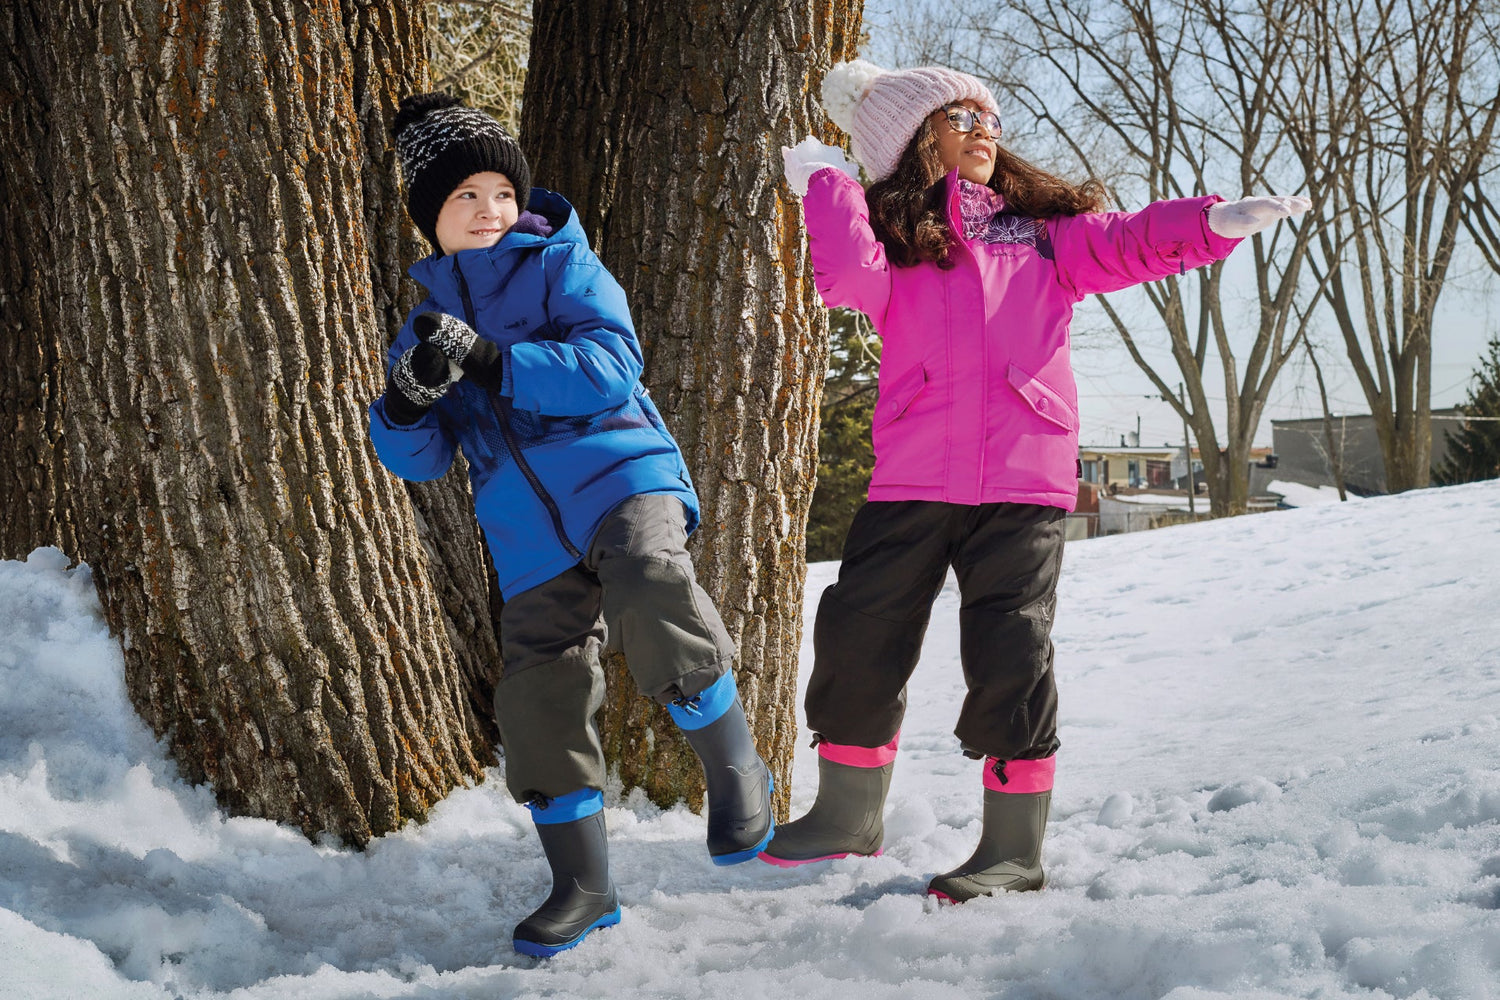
441,142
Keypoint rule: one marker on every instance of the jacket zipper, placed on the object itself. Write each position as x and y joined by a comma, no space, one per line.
954,195
502,409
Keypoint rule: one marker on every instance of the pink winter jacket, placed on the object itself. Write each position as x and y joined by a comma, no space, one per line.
977,402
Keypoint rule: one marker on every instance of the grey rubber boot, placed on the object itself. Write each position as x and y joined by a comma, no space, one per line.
583,896
846,818
1009,855
739,784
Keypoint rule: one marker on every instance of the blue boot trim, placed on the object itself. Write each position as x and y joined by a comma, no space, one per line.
705,708
739,857
566,808
538,950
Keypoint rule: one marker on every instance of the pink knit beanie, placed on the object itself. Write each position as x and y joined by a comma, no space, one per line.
882,109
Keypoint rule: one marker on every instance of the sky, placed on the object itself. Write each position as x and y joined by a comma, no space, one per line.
1116,397
1277,780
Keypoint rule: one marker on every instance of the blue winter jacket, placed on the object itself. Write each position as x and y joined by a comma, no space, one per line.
571,432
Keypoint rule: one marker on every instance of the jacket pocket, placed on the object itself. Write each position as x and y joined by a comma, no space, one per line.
903,390
1046,401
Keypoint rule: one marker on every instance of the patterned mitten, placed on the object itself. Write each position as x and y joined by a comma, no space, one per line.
419,378
481,361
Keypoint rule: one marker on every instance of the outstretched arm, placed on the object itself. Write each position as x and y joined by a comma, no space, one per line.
1107,251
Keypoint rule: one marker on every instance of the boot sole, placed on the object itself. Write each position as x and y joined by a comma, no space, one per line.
771,859
943,897
538,950
749,853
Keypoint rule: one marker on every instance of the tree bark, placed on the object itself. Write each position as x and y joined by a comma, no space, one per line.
675,169
223,250
33,461
444,508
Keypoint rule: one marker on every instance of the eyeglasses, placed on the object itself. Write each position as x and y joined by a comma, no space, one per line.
963,119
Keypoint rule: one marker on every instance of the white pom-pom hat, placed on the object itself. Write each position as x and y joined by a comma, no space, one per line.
882,109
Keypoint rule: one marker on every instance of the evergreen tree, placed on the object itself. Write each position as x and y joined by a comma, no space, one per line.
845,455
1474,452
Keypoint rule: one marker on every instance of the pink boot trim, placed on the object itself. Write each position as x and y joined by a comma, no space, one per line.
859,756
793,863
1021,776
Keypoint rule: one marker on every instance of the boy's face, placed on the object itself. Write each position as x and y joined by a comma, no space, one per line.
477,212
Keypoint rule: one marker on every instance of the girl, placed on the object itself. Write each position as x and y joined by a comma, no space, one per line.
968,261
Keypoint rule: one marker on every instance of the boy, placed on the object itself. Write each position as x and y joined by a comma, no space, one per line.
524,355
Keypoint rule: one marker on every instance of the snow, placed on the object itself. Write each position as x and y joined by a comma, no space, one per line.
1278,779
1156,499
1298,495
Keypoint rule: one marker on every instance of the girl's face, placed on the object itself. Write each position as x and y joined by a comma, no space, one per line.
477,212
973,152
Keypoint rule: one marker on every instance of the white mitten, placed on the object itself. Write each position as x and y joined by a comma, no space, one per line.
807,158
1237,219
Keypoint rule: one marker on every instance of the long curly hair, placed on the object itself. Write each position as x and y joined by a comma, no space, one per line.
909,214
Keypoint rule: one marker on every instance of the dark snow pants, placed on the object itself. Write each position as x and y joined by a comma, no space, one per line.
635,589
871,623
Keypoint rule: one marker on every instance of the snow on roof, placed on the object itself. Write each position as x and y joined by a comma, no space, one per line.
1111,449
1298,495
1158,499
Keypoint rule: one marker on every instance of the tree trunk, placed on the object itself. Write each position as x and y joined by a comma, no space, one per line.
675,168
1334,445
444,508
33,465
1218,472
220,335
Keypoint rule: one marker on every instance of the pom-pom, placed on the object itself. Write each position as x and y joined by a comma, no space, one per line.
844,87
416,107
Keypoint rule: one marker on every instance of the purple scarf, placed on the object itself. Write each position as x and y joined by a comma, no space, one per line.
532,225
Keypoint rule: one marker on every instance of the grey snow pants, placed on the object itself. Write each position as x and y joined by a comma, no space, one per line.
635,590
871,623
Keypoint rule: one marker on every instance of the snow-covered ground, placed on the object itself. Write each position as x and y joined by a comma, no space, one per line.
1280,777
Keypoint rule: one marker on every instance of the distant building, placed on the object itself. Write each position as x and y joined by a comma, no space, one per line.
1127,467
1130,467
1131,488
1083,521
1139,511
1302,450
